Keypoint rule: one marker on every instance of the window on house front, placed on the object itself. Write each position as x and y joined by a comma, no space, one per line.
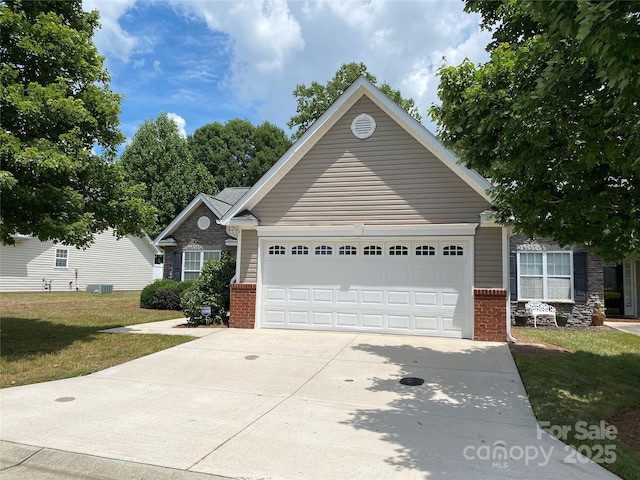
348,250
300,250
193,261
62,258
545,276
277,250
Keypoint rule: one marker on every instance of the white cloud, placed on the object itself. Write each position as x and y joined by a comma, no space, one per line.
267,47
180,122
263,33
111,39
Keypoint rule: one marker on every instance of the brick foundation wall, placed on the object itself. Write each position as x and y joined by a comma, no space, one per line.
490,314
242,311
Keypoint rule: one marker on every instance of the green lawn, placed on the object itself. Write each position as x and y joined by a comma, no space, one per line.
48,336
596,378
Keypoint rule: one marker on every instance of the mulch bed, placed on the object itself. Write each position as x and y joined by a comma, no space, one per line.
628,425
186,325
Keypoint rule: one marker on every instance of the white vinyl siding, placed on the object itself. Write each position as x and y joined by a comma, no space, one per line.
25,264
387,179
193,261
545,276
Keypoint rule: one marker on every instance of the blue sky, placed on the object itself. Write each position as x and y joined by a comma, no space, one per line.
203,61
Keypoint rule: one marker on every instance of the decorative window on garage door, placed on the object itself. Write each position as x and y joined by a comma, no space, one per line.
300,250
347,250
398,250
425,251
323,250
277,250
372,250
452,250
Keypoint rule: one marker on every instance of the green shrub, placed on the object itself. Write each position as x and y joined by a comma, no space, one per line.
211,288
163,294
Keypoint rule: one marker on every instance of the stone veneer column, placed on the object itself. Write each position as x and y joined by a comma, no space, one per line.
242,311
490,314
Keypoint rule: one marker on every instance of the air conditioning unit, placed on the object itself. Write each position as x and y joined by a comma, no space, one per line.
100,288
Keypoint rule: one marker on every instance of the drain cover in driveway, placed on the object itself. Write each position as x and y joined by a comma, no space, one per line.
412,381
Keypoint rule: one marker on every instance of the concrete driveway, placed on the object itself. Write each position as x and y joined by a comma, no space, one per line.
279,404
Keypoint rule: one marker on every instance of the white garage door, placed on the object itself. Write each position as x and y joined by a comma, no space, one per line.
420,286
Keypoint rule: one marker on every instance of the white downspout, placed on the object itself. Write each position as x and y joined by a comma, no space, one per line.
505,278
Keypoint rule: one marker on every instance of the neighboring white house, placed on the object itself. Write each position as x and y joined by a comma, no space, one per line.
32,265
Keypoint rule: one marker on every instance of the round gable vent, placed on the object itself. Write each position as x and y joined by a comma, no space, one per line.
204,222
363,126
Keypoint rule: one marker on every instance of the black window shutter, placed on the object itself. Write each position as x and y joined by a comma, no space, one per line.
580,276
513,276
177,266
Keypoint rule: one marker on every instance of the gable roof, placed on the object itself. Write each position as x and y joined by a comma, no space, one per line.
361,87
219,205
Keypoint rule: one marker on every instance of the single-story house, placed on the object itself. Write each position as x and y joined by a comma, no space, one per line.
194,236
367,223
31,265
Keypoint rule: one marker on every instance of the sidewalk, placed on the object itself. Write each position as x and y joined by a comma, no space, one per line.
167,327
627,327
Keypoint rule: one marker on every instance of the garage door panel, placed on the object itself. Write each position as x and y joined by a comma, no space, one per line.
426,324
411,294
322,318
455,275
299,318
275,317
450,324
426,299
322,295
347,297
450,299
299,294
374,274
426,274
347,319
275,294
372,297
399,322
402,298
400,275
372,320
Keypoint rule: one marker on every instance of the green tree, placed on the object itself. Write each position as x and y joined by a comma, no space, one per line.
316,98
238,153
56,107
159,157
553,119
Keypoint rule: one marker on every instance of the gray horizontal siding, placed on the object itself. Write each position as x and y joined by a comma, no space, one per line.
248,256
388,178
488,258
